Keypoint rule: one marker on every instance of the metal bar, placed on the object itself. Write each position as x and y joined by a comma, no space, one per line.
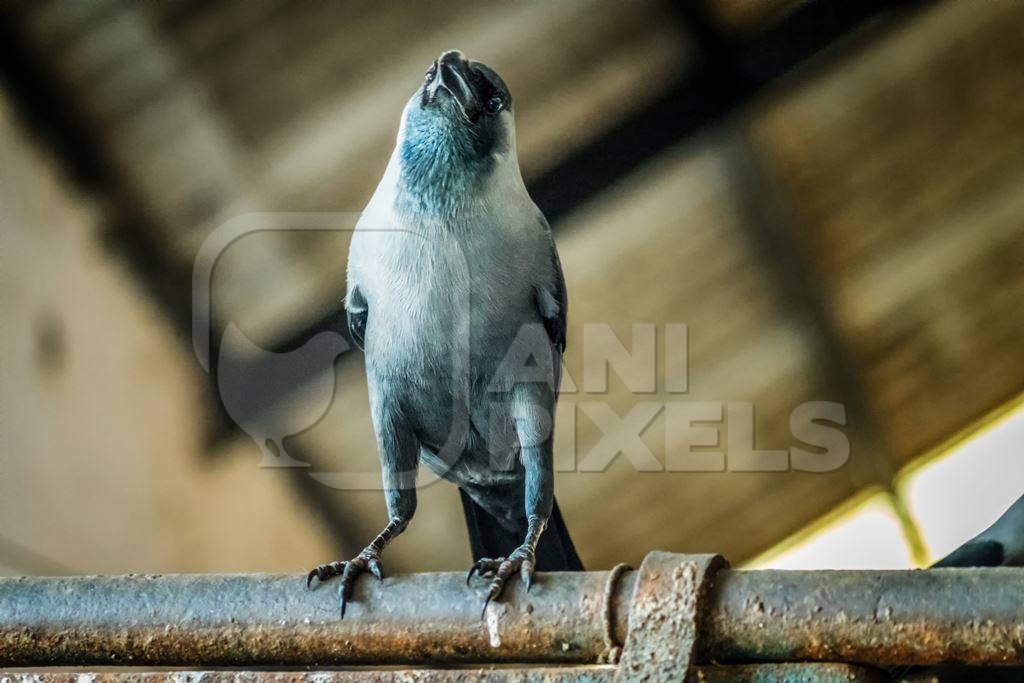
973,616
575,674
273,620
762,673
922,617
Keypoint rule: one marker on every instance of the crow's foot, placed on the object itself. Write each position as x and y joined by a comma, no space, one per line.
523,559
366,561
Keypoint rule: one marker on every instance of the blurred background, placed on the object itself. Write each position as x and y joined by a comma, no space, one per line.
829,194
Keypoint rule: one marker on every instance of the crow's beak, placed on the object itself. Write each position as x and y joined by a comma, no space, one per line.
453,77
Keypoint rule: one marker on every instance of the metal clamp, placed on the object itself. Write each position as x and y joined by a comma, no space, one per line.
663,618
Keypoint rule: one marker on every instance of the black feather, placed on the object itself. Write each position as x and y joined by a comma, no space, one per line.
488,538
556,326
975,554
356,313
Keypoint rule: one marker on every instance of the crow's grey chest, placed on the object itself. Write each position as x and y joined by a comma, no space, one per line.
438,298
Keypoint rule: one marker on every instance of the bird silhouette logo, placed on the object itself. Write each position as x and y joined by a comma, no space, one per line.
272,396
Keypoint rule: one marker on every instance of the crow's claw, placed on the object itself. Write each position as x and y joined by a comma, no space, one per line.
485,567
325,571
522,560
366,561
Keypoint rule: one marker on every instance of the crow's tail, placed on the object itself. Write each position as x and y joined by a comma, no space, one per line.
487,538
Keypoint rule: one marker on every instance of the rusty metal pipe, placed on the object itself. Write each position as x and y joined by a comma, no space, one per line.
963,616
255,620
967,616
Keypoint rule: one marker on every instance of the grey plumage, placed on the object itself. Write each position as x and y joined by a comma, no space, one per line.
456,294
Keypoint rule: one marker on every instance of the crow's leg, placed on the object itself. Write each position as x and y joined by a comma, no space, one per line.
533,428
399,455
522,560
367,560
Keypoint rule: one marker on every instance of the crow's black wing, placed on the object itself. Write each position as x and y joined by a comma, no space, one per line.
1000,545
975,554
556,324
553,305
357,310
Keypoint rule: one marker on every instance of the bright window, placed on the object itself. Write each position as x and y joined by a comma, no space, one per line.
961,492
864,534
948,497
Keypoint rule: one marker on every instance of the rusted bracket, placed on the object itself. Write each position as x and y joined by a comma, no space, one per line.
663,627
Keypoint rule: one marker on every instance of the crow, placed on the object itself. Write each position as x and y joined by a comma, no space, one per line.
456,296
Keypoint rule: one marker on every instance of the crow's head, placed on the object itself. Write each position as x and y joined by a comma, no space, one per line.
456,129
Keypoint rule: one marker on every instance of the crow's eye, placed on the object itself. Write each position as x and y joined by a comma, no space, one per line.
431,72
495,104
